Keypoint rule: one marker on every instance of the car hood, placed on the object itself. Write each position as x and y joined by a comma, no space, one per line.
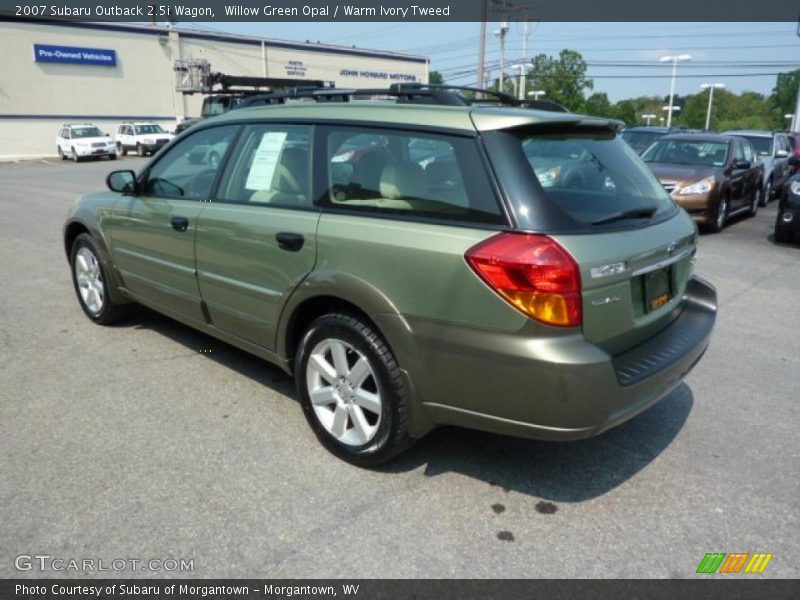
681,174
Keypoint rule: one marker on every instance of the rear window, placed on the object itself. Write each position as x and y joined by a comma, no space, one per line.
593,176
763,145
640,140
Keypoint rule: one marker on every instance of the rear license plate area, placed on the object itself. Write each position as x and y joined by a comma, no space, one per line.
657,289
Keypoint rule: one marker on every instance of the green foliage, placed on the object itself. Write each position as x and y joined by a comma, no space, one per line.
435,77
563,79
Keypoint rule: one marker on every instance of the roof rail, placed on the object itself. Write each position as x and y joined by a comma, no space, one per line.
403,93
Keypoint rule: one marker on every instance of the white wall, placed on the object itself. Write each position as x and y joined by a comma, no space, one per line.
37,98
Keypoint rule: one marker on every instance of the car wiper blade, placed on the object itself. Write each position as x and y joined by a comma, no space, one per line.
633,213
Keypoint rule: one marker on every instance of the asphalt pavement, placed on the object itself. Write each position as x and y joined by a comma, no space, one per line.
149,440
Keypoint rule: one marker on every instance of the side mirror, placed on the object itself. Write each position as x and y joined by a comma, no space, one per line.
121,181
781,154
741,164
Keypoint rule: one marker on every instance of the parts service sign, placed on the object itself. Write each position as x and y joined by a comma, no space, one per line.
45,53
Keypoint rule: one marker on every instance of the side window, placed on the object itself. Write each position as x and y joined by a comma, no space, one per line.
271,165
784,144
188,169
408,174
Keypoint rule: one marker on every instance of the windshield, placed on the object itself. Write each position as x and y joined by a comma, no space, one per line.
140,129
687,152
640,140
763,145
594,176
86,132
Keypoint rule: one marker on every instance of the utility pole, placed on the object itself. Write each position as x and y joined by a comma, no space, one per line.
501,33
524,72
796,120
482,44
710,87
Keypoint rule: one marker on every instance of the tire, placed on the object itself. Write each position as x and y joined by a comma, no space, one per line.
122,149
89,279
755,201
766,195
140,151
61,154
112,157
360,412
783,236
75,156
720,216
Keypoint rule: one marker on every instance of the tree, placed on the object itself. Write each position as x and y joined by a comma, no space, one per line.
563,79
784,96
435,77
597,105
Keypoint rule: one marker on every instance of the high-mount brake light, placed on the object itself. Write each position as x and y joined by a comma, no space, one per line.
533,273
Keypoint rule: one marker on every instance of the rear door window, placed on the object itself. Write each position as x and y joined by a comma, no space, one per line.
593,176
408,174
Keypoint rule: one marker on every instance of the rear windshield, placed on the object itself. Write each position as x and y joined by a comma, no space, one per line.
687,152
594,177
640,140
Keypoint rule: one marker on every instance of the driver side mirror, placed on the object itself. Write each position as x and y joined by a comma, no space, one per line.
121,181
741,164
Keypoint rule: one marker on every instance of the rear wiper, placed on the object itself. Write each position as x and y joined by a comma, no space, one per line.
632,213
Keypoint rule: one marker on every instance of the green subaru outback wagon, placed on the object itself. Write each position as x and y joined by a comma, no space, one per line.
414,261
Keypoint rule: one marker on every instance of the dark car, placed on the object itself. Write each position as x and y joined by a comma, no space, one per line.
787,223
713,177
640,138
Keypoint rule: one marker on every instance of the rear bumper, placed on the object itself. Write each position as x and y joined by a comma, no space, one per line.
557,388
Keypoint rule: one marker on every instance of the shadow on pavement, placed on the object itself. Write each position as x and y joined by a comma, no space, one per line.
556,471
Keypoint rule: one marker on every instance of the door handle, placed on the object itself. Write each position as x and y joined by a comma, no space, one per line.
179,223
291,242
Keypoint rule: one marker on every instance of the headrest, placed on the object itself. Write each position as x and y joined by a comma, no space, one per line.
291,172
403,180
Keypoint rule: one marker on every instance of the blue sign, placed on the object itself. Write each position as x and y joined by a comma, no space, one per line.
71,54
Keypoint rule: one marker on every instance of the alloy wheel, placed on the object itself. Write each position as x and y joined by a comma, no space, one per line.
344,392
89,278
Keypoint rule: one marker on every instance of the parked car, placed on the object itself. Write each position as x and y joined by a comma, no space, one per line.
713,177
476,297
794,141
85,140
787,221
185,124
773,150
142,138
640,138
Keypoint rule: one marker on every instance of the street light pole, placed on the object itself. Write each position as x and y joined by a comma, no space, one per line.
674,59
648,117
537,93
710,87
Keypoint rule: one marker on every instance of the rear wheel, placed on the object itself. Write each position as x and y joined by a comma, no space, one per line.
91,283
121,149
720,216
61,154
351,390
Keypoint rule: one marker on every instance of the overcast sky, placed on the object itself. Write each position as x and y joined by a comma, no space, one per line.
743,56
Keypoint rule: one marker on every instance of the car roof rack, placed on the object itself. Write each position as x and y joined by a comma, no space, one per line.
402,93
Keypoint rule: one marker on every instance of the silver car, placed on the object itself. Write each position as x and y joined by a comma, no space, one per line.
773,150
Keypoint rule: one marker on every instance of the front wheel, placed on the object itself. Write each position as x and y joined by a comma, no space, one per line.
75,156
754,201
61,154
720,216
766,196
91,282
351,390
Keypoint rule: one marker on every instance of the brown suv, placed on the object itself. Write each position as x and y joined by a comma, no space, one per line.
713,177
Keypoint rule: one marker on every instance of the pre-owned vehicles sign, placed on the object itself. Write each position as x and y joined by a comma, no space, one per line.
75,55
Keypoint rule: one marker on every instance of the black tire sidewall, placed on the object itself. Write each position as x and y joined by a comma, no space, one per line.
384,445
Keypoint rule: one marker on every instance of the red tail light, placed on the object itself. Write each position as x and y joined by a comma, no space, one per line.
533,273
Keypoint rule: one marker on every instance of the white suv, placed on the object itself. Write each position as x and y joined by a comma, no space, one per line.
84,141
142,138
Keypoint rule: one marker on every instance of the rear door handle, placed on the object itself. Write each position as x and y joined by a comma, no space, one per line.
291,242
179,223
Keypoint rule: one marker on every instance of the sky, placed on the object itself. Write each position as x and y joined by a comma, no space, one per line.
623,58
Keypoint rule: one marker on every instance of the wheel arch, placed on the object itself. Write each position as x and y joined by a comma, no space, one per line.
75,227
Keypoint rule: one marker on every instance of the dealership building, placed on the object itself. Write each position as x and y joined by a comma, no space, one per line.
56,72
